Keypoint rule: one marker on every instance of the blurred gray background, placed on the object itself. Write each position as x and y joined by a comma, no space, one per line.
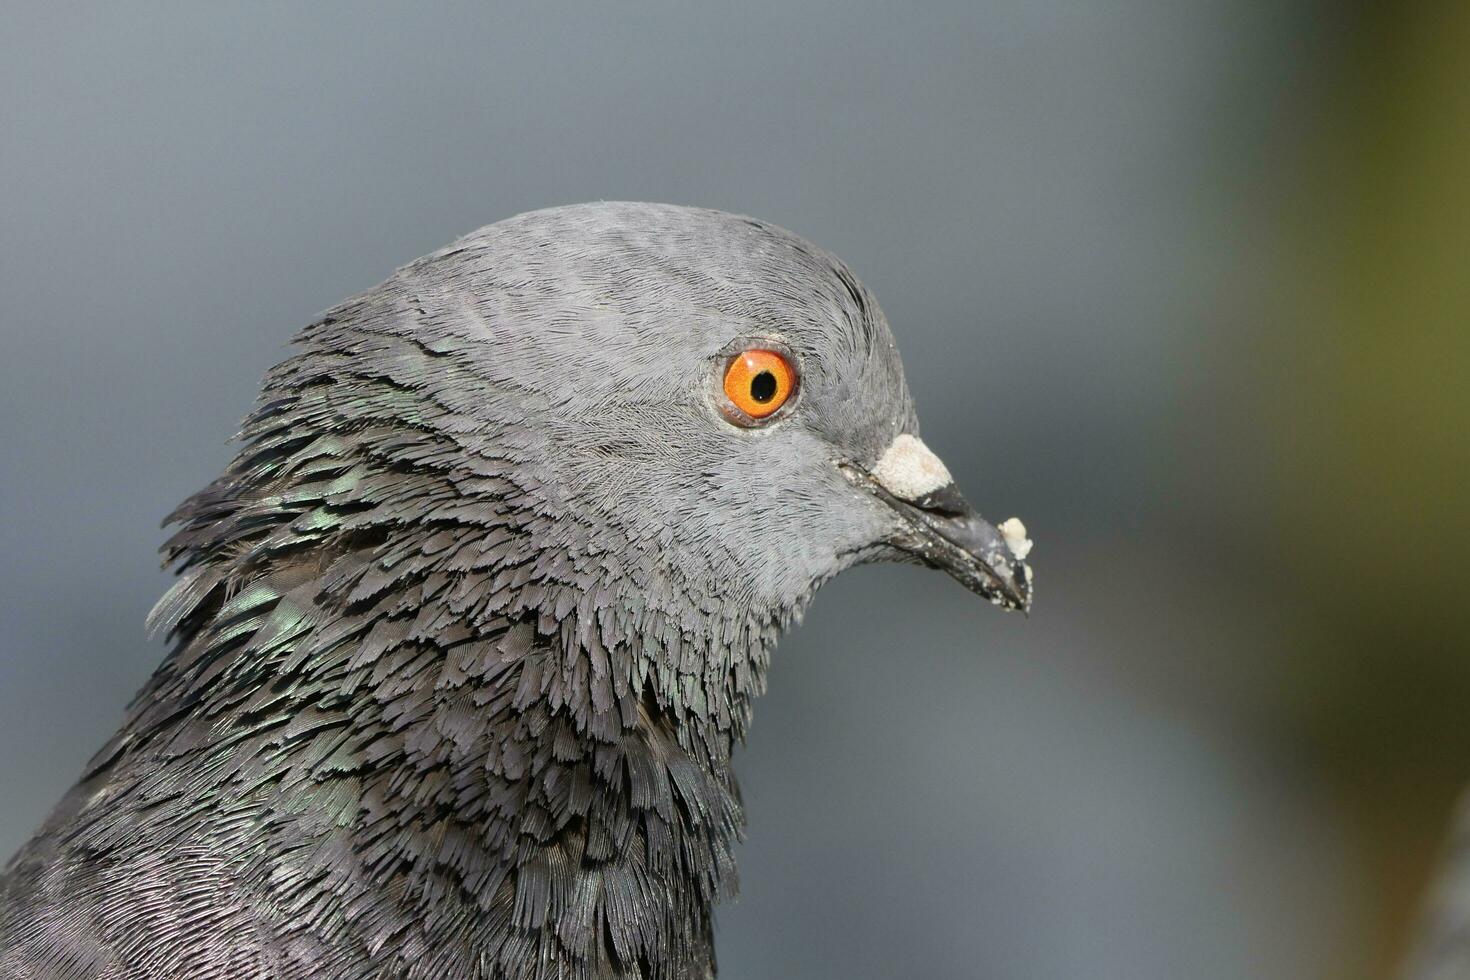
1172,281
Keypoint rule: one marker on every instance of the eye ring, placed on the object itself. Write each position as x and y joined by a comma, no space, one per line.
758,382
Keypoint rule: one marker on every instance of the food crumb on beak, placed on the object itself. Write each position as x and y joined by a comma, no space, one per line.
1014,533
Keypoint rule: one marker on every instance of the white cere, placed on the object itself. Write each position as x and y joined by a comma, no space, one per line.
1014,533
908,469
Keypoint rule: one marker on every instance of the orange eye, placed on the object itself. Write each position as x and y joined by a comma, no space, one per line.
758,382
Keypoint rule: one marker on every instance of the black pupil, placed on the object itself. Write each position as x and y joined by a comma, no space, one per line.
763,387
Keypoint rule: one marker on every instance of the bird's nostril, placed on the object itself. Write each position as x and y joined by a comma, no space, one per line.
763,387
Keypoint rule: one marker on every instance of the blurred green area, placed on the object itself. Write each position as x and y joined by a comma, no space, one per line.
1365,427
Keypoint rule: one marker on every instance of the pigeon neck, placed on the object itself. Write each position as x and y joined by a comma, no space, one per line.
441,768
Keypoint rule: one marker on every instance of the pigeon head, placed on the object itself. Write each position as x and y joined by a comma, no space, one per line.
709,412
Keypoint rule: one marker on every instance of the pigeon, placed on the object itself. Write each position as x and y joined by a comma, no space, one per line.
463,639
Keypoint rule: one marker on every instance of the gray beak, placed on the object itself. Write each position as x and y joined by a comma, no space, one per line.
940,529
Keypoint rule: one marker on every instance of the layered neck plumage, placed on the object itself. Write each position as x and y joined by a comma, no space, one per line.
449,687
